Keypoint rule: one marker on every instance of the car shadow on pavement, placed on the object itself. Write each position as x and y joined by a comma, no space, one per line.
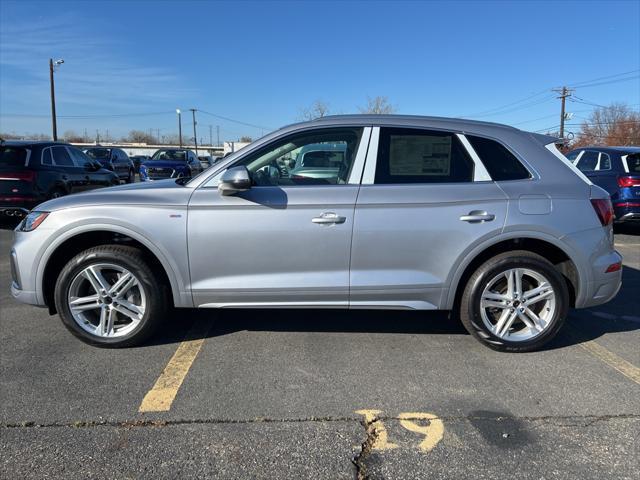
581,326
627,228
226,321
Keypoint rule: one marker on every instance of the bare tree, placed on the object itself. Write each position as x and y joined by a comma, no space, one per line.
318,109
616,124
138,136
72,137
246,139
378,106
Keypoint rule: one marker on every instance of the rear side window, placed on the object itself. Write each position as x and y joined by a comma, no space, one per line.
499,162
13,156
633,163
588,161
61,157
408,155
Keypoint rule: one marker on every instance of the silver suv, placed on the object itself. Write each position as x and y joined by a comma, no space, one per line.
422,213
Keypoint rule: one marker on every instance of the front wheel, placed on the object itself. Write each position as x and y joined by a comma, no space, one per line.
109,296
516,301
132,177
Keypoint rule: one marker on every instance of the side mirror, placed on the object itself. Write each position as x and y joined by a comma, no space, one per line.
234,180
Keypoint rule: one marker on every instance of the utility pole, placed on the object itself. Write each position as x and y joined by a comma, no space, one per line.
211,135
85,136
179,126
218,135
97,136
195,135
54,125
158,135
107,135
564,93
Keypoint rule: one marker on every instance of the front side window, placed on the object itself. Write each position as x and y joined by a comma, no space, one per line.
500,163
320,157
588,161
421,156
78,157
61,157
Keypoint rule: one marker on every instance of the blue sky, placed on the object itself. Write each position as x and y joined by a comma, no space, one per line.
130,64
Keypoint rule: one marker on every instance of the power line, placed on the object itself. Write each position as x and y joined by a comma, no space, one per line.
585,82
259,127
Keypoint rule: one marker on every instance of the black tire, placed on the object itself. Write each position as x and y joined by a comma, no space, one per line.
132,177
56,192
134,261
470,311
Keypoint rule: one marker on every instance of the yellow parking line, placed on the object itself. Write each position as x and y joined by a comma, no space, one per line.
628,369
161,396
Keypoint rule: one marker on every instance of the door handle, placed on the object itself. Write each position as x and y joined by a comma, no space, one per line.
328,218
477,216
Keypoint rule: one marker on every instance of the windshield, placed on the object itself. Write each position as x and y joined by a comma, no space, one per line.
170,155
98,153
13,156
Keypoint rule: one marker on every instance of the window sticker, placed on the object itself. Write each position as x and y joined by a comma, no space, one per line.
420,155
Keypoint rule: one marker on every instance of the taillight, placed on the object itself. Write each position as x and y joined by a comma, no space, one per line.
27,175
628,182
604,210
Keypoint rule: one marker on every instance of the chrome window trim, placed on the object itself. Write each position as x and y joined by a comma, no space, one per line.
625,165
359,161
600,160
480,173
369,173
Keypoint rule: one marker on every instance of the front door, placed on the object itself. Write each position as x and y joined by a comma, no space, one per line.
287,240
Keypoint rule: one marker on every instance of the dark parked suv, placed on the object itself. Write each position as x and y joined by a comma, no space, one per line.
114,159
32,172
617,170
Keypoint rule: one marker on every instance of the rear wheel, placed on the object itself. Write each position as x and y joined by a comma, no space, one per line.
56,193
132,177
109,296
516,302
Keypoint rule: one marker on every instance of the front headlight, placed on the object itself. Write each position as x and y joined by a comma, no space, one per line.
32,221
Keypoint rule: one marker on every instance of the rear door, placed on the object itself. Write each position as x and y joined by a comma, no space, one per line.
423,203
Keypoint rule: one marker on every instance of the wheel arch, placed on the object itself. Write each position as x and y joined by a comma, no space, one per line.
74,241
546,246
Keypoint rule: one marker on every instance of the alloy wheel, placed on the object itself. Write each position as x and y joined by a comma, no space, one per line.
518,304
107,300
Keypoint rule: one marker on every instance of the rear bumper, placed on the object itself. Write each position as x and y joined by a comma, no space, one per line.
627,211
17,205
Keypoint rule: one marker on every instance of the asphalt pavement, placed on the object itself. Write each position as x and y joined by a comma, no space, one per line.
323,395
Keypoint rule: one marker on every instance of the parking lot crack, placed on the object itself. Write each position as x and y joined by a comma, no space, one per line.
372,429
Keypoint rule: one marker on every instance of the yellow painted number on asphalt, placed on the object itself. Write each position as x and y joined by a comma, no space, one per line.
373,423
433,432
